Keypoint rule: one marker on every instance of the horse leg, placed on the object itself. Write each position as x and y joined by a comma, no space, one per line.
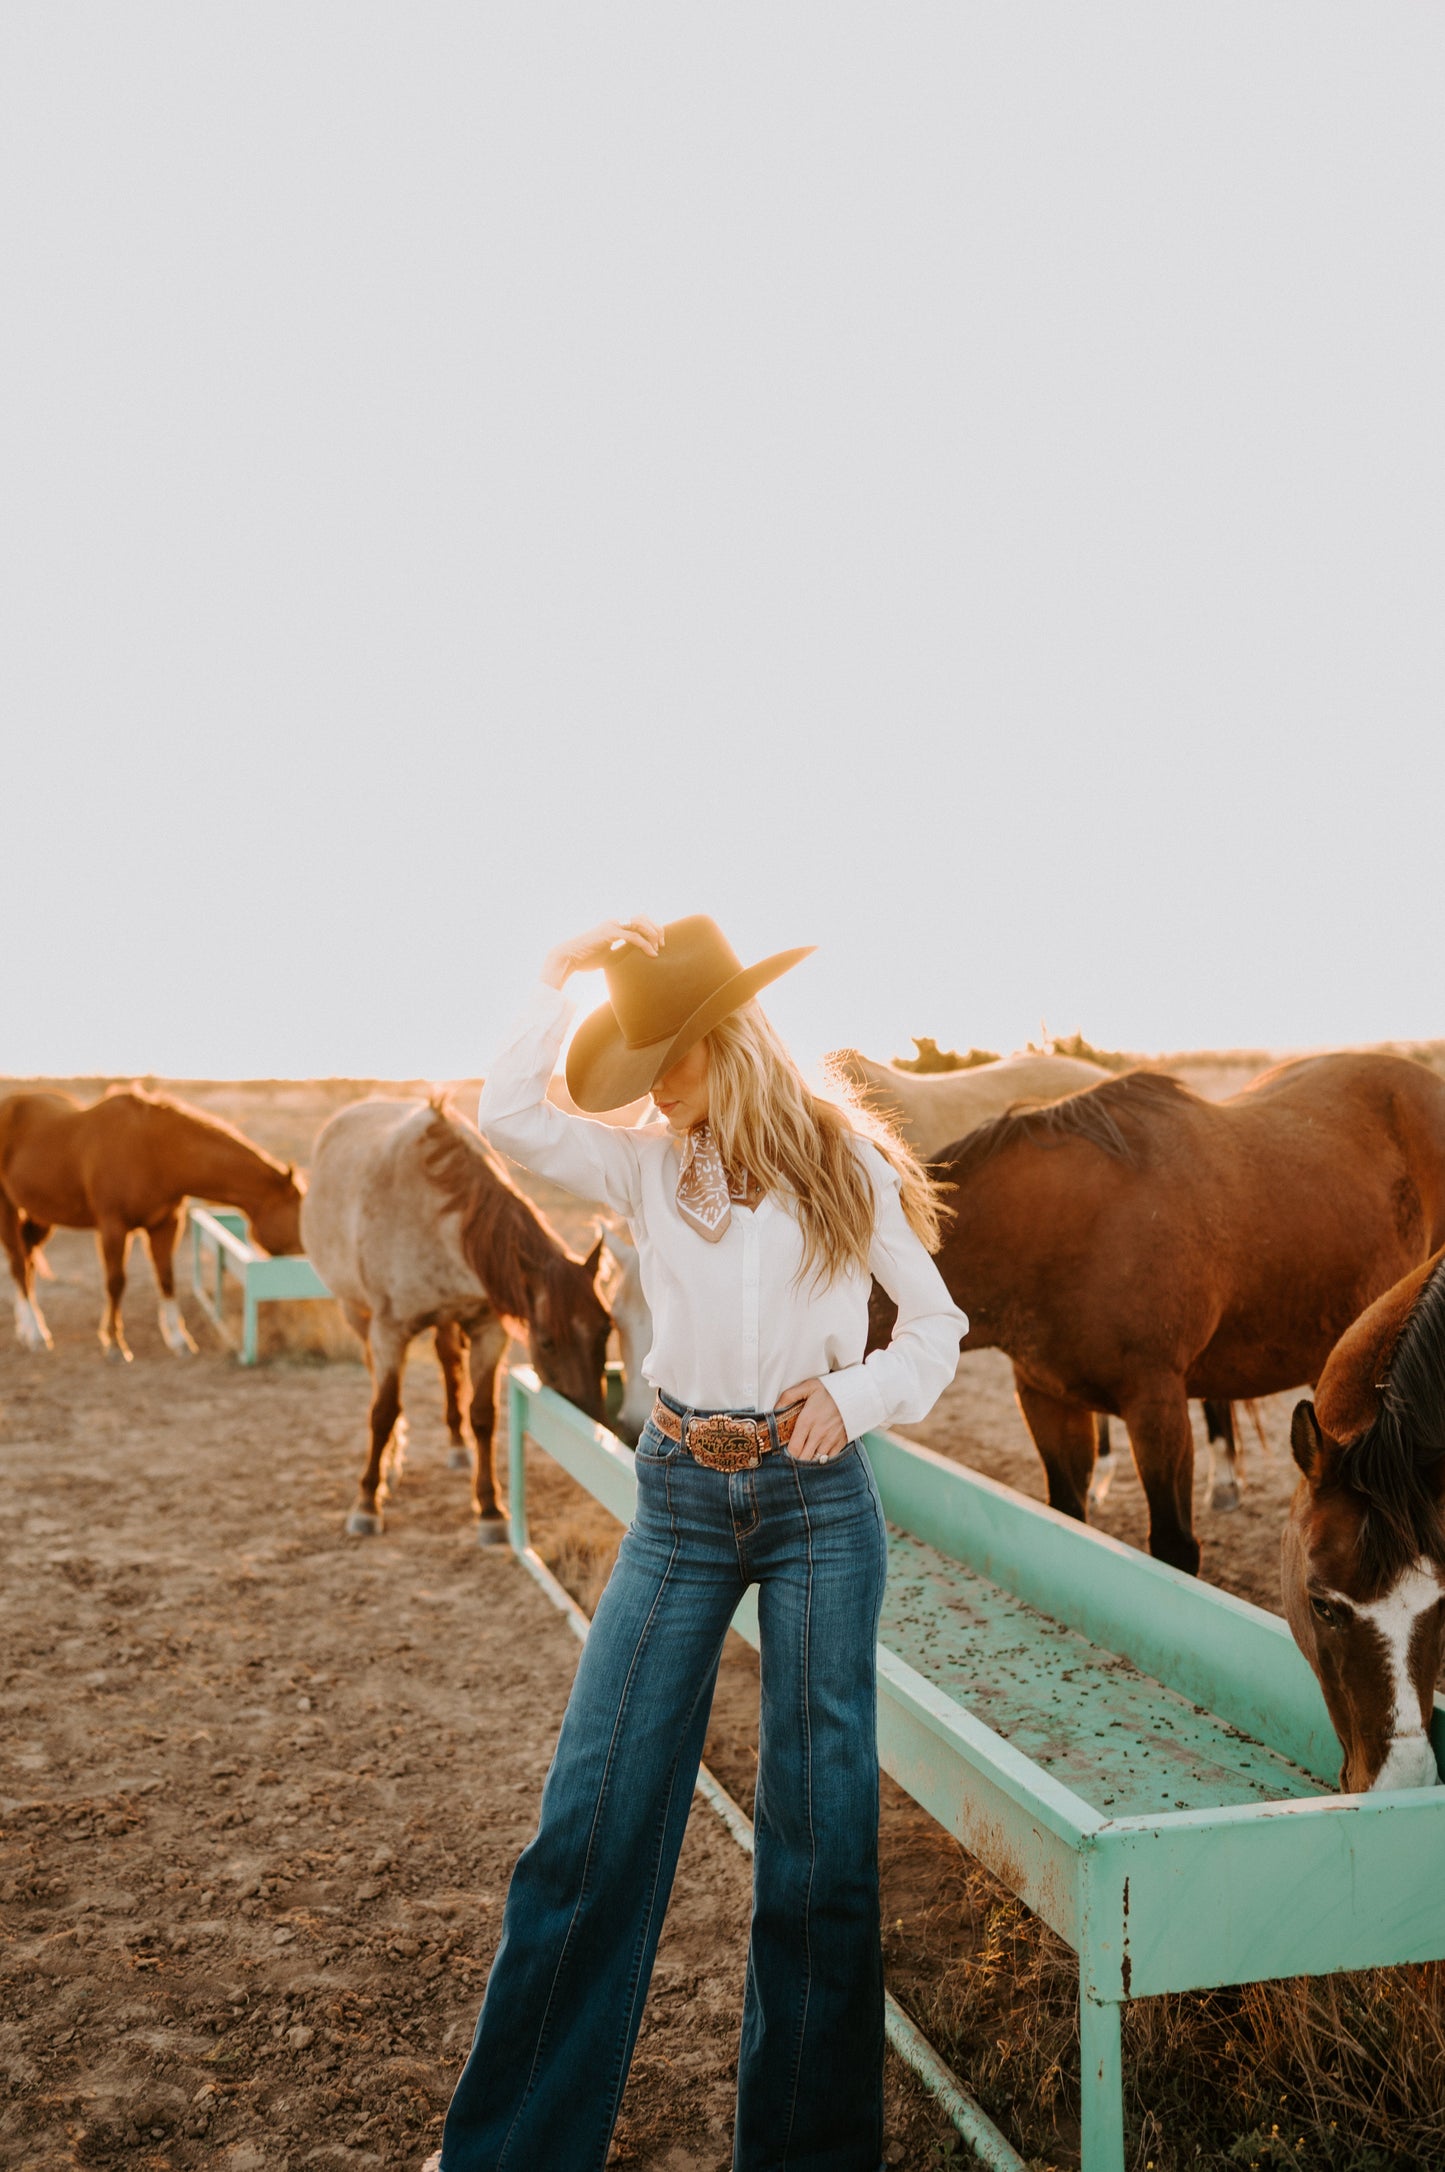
161,1240
1104,1465
387,1355
1163,1441
451,1347
114,1241
358,1319
22,1239
1226,1491
488,1343
1063,1433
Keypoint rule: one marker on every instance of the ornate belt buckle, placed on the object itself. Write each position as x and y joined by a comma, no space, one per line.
724,1444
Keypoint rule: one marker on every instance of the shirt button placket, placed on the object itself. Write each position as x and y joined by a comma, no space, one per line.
751,1365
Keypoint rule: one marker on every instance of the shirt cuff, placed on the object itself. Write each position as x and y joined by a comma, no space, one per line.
858,1399
548,1003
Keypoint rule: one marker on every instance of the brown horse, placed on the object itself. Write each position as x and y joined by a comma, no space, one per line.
128,1162
1134,1245
413,1223
1364,1548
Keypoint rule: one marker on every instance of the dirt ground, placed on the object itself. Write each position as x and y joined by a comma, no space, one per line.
261,1786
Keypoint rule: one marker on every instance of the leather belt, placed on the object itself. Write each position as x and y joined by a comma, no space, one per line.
722,1441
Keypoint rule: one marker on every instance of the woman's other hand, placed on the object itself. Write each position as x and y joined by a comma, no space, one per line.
819,1432
585,952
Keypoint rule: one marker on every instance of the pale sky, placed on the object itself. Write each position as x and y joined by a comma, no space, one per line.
963,485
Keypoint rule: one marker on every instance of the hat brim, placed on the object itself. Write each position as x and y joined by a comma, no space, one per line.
604,1073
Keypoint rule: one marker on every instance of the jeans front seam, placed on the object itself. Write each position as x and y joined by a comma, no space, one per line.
807,1734
740,1536
632,1667
620,2079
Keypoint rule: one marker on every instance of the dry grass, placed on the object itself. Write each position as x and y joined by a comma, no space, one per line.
1316,2074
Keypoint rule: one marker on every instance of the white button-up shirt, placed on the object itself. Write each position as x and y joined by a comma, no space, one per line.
732,1326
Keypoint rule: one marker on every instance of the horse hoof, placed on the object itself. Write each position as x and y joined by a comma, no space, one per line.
1225,1497
116,1353
458,1459
492,1531
1099,1486
362,1524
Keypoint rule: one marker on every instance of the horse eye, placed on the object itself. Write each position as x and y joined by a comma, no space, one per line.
1323,1611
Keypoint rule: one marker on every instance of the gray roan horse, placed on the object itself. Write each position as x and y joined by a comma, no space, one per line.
413,1223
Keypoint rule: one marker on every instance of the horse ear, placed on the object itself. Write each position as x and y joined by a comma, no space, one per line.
593,1260
1307,1442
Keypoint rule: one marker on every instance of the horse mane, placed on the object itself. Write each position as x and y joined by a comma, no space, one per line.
1115,1116
1394,1465
504,1240
201,1117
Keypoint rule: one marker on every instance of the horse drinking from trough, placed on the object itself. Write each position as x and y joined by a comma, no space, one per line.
413,1223
128,1162
1134,1245
1363,1553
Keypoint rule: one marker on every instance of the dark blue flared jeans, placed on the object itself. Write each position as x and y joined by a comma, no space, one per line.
564,2000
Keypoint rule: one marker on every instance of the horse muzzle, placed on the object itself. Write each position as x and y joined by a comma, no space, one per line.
1409,1762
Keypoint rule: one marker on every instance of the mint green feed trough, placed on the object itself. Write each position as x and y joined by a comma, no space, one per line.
220,1246
1146,1761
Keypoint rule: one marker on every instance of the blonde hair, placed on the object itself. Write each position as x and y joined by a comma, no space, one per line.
769,1121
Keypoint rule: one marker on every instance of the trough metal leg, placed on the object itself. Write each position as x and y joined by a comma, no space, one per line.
1101,2077
517,1464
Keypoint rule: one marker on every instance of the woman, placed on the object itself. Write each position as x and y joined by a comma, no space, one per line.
759,1210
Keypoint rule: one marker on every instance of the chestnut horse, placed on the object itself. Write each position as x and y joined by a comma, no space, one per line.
413,1223
1363,1553
128,1162
1135,1245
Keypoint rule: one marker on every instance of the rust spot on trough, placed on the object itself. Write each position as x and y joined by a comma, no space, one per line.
1126,1966
1037,1884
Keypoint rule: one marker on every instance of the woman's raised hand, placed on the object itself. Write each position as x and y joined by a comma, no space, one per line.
585,952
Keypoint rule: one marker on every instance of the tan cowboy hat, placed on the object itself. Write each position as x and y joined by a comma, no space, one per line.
660,1008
